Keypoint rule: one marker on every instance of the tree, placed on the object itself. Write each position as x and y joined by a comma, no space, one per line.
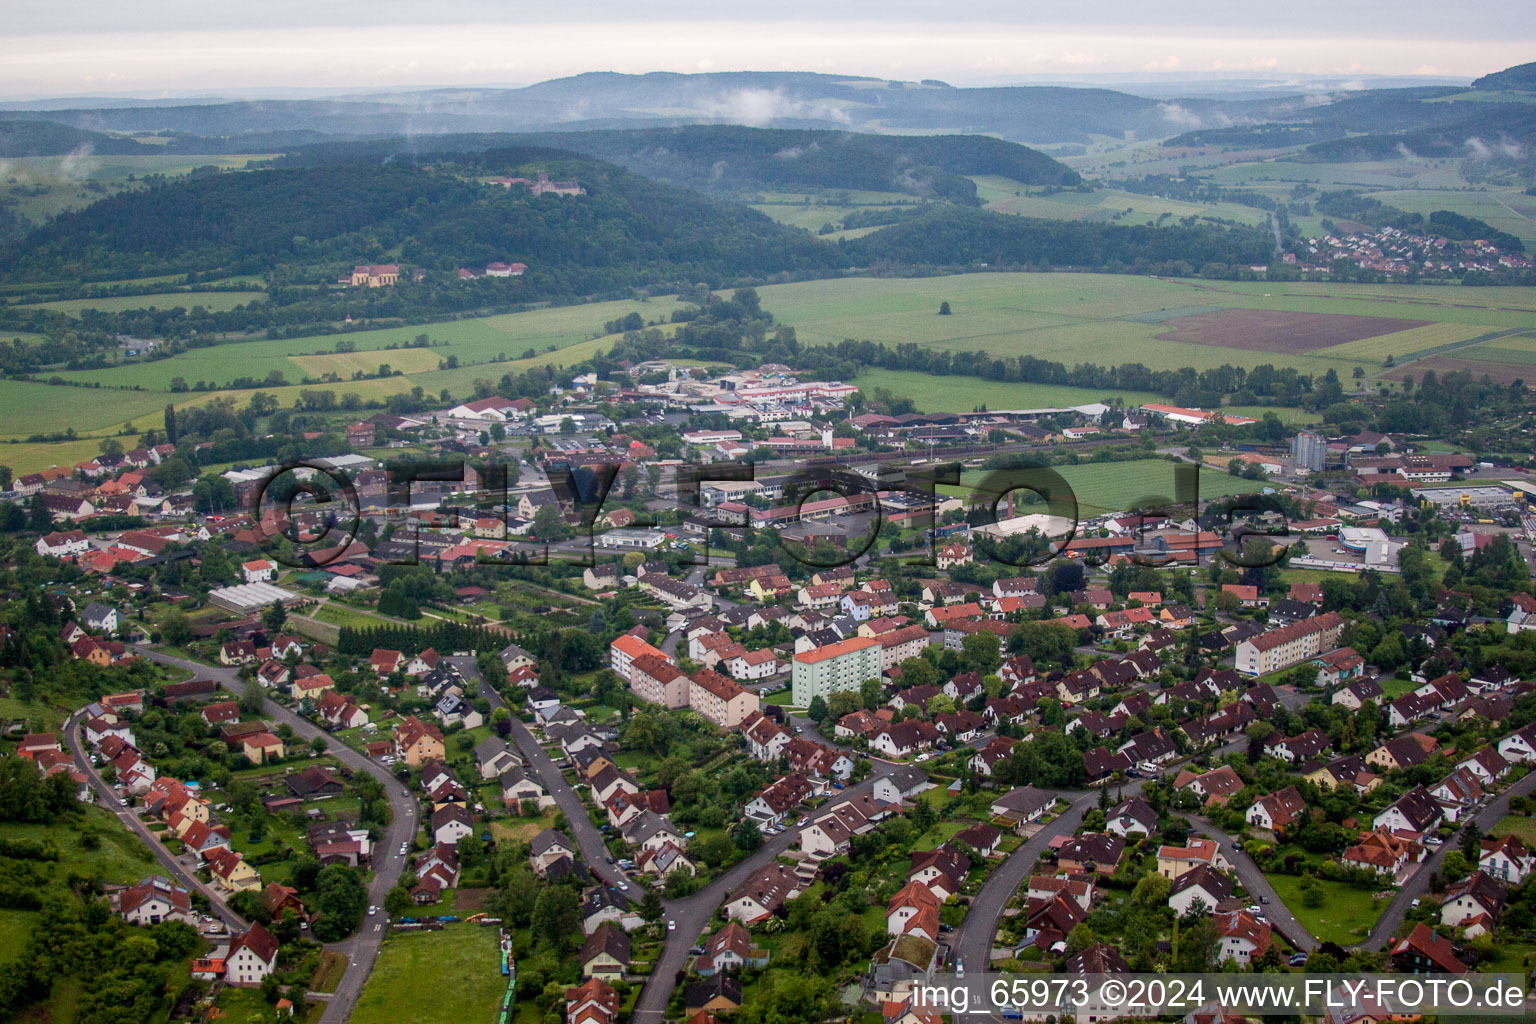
651,908
944,309
982,652
341,899
746,835
1454,866
170,422
253,701
175,629
274,617
818,710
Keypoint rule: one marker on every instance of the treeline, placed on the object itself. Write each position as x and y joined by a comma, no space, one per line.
445,637
953,237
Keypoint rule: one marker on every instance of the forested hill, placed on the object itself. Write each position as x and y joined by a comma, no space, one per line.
45,138
734,160
956,237
737,159
306,224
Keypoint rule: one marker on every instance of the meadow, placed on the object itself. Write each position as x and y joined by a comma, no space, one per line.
461,960
493,339
1103,205
214,302
1110,319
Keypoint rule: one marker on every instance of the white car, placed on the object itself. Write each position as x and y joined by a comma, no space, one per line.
671,926
372,911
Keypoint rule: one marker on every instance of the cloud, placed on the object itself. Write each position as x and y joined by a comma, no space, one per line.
759,107
1179,115
1478,148
1406,153
78,163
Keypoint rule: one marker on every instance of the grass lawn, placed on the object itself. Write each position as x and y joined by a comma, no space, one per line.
1347,913
1522,825
461,961
328,975
342,615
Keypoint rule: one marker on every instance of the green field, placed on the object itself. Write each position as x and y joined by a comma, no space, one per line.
461,961
1114,486
500,339
1346,916
962,394
1112,319
1103,205
215,302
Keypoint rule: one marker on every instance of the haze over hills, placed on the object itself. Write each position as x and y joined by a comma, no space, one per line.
1030,114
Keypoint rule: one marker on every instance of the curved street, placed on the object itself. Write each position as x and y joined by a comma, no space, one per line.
362,948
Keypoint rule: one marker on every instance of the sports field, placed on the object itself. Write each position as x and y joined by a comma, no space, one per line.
1103,487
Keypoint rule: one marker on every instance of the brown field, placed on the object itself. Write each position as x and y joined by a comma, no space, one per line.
1263,330
1500,372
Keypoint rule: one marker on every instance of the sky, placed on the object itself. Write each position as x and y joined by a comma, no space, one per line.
170,47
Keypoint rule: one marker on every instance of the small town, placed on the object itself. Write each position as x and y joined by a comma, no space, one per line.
672,765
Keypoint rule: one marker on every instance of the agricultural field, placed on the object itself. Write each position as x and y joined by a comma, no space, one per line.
495,339
216,302
461,960
1103,205
1110,319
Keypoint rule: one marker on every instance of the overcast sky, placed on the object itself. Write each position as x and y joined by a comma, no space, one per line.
143,47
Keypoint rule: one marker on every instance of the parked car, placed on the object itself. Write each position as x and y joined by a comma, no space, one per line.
372,911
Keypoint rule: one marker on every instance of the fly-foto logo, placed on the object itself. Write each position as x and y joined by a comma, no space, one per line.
308,514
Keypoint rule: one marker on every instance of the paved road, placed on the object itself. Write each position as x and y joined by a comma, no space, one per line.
1275,911
108,799
692,914
587,836
971,942
1392,918
363,947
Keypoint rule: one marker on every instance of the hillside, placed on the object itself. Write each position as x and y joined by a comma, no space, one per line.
1520,78
794,100
47,138
313,222
732,160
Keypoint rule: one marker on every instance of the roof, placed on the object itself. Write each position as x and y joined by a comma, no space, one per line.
842,647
